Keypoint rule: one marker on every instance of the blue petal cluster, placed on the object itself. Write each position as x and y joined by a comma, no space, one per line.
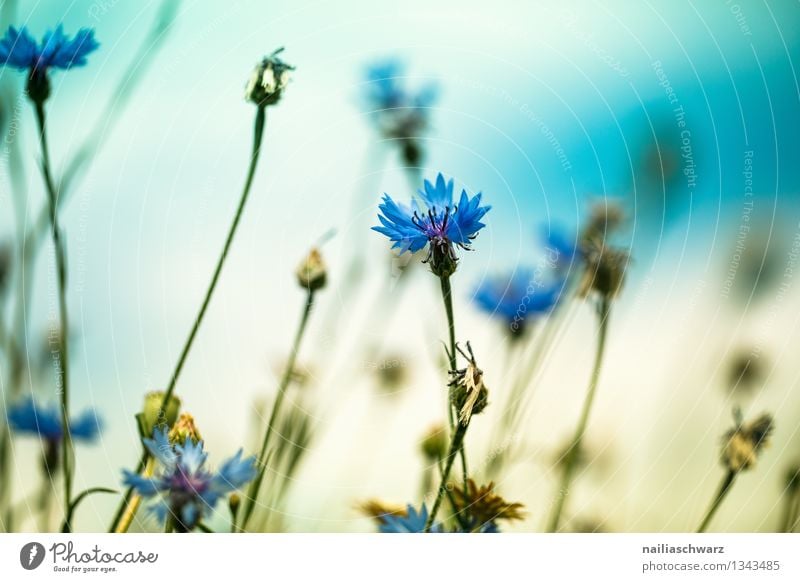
18,49
440,224
186,490
414,522
45,422
518,297
385,89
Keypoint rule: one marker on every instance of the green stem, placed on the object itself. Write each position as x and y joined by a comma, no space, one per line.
447,296
725,486
258,135
255,485
61,276
455,446
603,313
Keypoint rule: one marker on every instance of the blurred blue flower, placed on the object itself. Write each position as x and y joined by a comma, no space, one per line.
441,224
56,51
397,111
518,298
185,489
562,248
20,51
45,422
414,522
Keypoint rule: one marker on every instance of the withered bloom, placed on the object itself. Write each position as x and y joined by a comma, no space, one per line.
743,443
482,507
469,394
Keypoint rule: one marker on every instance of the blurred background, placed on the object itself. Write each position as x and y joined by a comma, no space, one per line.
683,113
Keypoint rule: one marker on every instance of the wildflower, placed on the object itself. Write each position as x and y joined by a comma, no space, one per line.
153,416
397,112
518,298
184,429
605,217
268,80
441,225
185,490
379,511
434,443
311,272
743,443
56,51
45,422
604,272
481,507
412,522
469,395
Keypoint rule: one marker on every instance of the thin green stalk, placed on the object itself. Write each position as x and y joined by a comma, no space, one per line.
258,135
725,486
255,485
455,446
61,276
603,313
791,505
447,296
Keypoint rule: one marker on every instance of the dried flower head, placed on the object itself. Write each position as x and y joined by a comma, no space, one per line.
268,80
743,443
434,443
483,507
184,429
604,271
605,218
468,394
152,414
311,272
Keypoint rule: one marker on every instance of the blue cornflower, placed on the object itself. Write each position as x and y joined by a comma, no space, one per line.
562,248
413,522
397,111
441,224
185,489
19,50
45,422
518,298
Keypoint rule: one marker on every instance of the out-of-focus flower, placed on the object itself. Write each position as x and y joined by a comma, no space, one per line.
604,271
398,112
468,394
481,508
434,443
28,417
379,510
183,429
518,298
152,415
311,272
745,372
743,443
19,50
268,80
185,490
441,226
413,522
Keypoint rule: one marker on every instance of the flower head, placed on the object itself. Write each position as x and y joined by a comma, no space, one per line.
185,489
311,272
397,111
441,225
19,50
743,443
604,270
434,444
518,298
481,507
152,414
469,395
45,422
413,522
268,80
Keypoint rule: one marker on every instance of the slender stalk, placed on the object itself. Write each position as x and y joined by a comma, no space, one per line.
255,485
258,135
447,296
725,486
790,507
62,381
455,446
603,313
